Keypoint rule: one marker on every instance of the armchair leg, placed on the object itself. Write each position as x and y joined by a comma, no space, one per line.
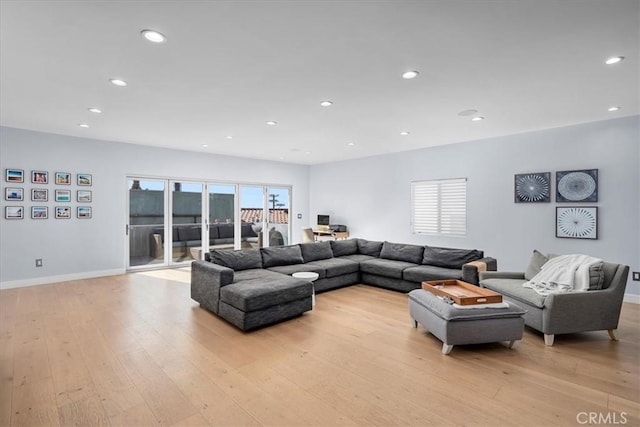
548,339
414,323
613,334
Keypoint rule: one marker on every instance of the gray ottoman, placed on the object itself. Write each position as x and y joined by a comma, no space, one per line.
455,326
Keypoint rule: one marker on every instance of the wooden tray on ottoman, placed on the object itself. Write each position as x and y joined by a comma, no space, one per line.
462,293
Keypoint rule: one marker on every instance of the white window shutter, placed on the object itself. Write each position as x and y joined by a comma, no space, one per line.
439,207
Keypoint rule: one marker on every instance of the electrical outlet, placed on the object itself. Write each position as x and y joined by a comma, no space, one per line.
636,276
39,262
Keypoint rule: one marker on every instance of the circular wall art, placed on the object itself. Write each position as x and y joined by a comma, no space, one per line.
577,222
532,187
577,186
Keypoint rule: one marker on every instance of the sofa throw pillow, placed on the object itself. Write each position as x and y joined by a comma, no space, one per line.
596,277
450,257
243,259
368,247
535,264
402,252
344,247
281,255
316,251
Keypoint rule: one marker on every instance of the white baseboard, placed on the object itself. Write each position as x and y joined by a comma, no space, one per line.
61,278
632,298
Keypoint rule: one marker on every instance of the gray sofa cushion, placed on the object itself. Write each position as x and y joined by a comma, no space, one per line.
344,247
335,266
423,273
449,257
385,267
243,259
316,251
189,233
358,257
368,247
402,252
513,289
256,294
535,264
281,255
297,268
255,273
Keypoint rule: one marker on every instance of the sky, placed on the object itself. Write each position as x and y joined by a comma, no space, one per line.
250,196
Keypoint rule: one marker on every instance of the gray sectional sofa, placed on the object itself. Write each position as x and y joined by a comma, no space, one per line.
252,288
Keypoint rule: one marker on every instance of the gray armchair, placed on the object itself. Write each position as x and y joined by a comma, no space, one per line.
565,313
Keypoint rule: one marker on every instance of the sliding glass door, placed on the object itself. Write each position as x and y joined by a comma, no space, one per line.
146,225
186,221
221,224
278,220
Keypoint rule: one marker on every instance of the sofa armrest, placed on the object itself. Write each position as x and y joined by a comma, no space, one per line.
206,280
501,275
582,311
470,270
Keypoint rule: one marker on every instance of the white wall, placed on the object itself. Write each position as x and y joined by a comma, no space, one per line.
85,248
372,195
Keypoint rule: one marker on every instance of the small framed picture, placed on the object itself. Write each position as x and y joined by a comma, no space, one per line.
85,179
63,196
14,175
84,196
14,212
579,222
532,187
39,212
577,186
40,177
12,193
63,178
39,194
63,212
84,212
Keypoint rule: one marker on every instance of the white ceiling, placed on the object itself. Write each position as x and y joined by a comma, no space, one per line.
230,66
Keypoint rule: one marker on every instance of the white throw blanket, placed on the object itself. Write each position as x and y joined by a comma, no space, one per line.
564,273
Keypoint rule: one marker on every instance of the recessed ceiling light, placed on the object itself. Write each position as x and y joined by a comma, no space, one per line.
307,152
95,110
205,145
477,119
153,36
118,82
229,136
613,108
470,112
83,125
404,133
410,75
272,123
351,144
614,60
326,103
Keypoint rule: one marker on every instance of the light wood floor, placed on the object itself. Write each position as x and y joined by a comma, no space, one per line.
136,350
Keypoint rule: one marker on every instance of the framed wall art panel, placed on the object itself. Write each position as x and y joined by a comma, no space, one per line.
532,187
577,186
577,222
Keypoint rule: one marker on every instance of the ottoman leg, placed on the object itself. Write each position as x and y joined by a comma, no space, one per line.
510,344
446,348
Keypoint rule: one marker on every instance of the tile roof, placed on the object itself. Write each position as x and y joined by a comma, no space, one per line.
276,216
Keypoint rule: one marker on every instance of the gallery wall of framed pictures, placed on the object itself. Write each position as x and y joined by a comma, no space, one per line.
572,186
39,194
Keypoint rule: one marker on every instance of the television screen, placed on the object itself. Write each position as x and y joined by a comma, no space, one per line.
323,219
